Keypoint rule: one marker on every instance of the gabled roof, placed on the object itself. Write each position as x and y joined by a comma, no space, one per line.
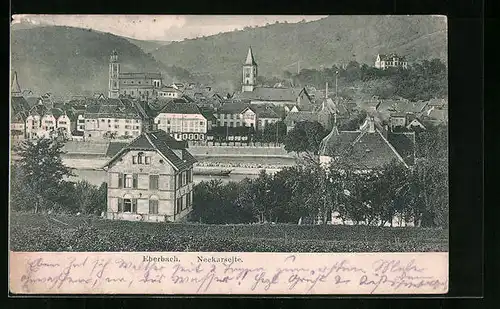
164,144
361,149
301,116
180,108
265,111
115,108
250,60
232,108
19,104
405,145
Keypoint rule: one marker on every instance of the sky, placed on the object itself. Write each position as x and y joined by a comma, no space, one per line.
159,27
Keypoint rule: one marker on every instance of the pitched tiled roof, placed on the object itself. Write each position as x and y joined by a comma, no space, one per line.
232,108
180,108
115,108
404,143
160,141
114,148
300,116
270,94
360,149
138,75
19,104
265,111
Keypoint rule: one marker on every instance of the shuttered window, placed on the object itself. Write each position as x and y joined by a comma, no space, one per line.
120,180
134,181
120,204
153,182
134,205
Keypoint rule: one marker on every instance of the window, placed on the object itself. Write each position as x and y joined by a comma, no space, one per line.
129,180
153,182
190,136
134,159
116,126
153,206
127,205
168,121
201,123
140,158
109,120
102,120
147,160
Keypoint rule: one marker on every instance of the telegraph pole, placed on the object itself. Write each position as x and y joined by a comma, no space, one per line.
336,88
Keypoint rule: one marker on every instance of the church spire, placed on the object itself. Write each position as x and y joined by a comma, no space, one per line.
250,59
15,89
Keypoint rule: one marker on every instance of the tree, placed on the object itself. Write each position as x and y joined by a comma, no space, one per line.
305,137
42,167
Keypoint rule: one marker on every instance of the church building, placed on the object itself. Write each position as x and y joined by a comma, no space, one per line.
134,84
253,94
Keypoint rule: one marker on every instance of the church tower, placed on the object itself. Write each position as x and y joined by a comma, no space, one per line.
15,90
114,73
249,72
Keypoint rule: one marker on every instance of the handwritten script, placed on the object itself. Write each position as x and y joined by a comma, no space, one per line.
248,273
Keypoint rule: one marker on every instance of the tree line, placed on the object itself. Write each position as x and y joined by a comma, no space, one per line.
39,182
418,194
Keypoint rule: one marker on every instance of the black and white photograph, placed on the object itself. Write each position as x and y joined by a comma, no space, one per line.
229,133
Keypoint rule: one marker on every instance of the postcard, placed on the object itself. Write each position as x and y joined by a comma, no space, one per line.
219,155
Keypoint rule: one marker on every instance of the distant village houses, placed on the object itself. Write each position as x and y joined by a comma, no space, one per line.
183,121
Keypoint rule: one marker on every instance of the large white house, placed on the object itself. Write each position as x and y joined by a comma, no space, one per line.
390,61
183,121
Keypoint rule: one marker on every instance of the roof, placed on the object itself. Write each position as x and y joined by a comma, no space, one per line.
114,148
19,104
164,144
300,116
140,75
404,143
265,111
115,108
437,102
270,94
171,89
384,57
180,108
250,60
232,108
361,149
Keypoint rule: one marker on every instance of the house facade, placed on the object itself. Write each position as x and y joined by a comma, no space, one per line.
42,122
150,179
390,61
183,121
169,93
236,115
114,118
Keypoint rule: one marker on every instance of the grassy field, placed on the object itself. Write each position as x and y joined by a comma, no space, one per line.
38,232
